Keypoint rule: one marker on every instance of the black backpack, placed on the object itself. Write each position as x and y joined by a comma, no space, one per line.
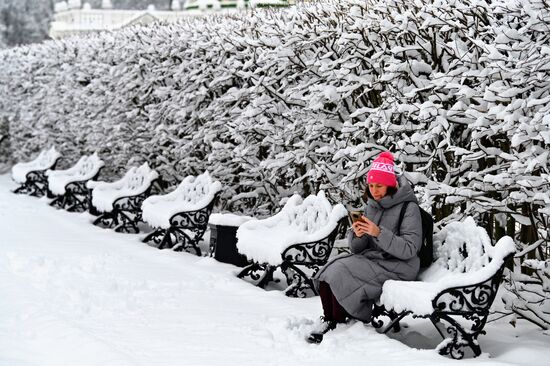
425,254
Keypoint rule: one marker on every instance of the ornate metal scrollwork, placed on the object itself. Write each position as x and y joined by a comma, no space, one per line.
309,253
184,242
379,312
26,188
316,252
79,197
129,203
106,220
186,230
156,237
299,280
460,337
128,221
469,303
75,198
474,298
58,202
300,264
36,184
376,317
260,274
452,346
192,219
126,213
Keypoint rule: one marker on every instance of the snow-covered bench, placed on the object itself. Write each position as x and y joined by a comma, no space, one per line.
31,175
119,203
69,186
298,240
181,216
455,292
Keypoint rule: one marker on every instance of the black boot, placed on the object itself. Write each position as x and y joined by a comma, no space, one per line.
316,336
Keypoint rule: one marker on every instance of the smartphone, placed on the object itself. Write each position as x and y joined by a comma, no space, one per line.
355,215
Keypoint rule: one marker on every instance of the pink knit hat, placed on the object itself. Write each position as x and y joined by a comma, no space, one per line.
382,170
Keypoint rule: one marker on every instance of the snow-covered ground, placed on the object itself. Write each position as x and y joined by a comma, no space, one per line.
75,294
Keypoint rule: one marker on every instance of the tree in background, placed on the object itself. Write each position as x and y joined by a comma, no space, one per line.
28,21
24,21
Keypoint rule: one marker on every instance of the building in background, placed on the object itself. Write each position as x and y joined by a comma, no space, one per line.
73,17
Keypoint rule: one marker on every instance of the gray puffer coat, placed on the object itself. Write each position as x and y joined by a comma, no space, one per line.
356,279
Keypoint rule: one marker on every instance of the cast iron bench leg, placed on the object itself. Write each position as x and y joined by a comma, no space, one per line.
459,338
299,283
263,273
157,237
106,220
127,223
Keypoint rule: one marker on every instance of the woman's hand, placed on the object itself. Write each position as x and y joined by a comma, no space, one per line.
365,226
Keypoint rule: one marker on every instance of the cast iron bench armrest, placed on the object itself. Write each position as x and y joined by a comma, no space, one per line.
126,212
77,196
314,252
176,237
36,182
470,302
300,263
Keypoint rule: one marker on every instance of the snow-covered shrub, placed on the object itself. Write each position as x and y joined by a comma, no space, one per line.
302,99
528,297
5,153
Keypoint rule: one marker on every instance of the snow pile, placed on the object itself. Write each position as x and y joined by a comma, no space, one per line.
45,160
76,295
462,246
228,219
135,181
300,221
302,99
85,169
449,272
193,193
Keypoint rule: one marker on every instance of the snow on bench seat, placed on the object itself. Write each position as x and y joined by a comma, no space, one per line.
192,194
45,160
451,269
135,182
85,169
300,221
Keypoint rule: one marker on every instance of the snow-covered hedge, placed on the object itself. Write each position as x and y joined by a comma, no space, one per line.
299,100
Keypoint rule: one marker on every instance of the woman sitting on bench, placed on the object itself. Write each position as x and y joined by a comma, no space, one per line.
349,284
